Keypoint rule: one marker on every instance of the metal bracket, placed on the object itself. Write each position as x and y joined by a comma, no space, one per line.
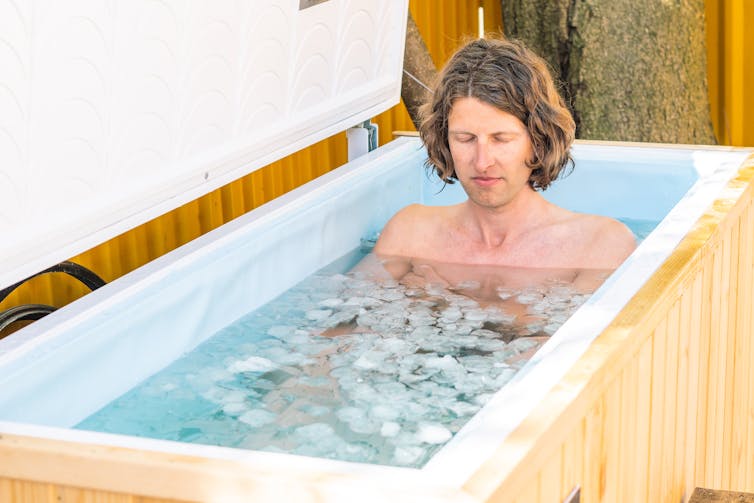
362,139
574,496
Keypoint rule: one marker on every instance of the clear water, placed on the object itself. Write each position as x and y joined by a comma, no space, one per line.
351,366
640,228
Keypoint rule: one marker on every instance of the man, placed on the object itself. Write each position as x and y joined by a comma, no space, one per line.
497,125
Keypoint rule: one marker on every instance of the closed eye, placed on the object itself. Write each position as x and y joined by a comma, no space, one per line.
464,138
501,139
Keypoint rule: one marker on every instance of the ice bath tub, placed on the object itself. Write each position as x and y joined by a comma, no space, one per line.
546,432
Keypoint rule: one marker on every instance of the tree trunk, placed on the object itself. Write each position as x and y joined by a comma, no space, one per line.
419,72
633,70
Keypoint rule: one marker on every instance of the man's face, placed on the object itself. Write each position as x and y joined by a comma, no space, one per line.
489,149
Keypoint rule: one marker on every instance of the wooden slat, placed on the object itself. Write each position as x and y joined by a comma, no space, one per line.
687,387
717,361
573,460
629,438
549,478
611,430
643,417
746,328
657,411
728,311
672,426
593,453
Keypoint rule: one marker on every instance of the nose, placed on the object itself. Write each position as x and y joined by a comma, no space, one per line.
484,158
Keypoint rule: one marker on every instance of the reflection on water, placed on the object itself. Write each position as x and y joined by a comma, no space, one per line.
358,366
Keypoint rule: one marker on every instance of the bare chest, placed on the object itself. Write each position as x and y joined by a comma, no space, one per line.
550,248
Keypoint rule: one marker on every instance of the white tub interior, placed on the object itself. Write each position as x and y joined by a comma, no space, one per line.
61,369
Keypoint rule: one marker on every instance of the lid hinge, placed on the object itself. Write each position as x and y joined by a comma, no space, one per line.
361,139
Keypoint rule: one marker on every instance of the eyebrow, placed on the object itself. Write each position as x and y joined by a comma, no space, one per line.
504,132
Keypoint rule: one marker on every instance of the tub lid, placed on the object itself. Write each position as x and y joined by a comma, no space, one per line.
114,113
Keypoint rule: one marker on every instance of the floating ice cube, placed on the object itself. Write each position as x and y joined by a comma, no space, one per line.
313,432
407,455
490,345
359,451
468,285
315,410
370,360
463,409
343,317
451,314
363,302
551,328
433,433
391,295
482,398
284,355
435,289
390,429
253,364
446,362
505,376
318,314
332,302
280,330
529,297
351,414
483,332
384,412
232,395
476,315
395,346
257,417
234,408
505,293
424,331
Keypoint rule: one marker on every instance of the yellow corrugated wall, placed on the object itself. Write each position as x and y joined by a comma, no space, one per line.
730,66
731,75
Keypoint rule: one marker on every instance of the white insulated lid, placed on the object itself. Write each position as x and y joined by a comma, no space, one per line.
113,113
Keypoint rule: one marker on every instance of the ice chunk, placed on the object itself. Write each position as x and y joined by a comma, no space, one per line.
314,432
234,408
463,409
351,414
318,314
408,455
476,315
257,417
433,433
253,364
390,429
363,302
370,360
447,362
280,330
332,302
384,413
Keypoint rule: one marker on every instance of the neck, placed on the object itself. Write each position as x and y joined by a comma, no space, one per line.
494,226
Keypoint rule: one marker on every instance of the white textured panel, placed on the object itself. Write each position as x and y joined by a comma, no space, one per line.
112,113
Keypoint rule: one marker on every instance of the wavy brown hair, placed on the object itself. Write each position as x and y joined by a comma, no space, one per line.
510,77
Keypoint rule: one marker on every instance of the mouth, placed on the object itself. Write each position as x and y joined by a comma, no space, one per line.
486,181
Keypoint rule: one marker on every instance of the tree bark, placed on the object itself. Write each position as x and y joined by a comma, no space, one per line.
632,70
419,71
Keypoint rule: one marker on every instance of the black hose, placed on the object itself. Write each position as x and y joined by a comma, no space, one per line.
34,312
25,312
81,273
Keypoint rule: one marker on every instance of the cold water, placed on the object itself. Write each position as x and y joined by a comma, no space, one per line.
353,365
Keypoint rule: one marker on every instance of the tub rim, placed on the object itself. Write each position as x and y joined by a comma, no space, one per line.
50,443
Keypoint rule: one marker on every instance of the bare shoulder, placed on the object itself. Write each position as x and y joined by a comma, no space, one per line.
610,242
408,229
